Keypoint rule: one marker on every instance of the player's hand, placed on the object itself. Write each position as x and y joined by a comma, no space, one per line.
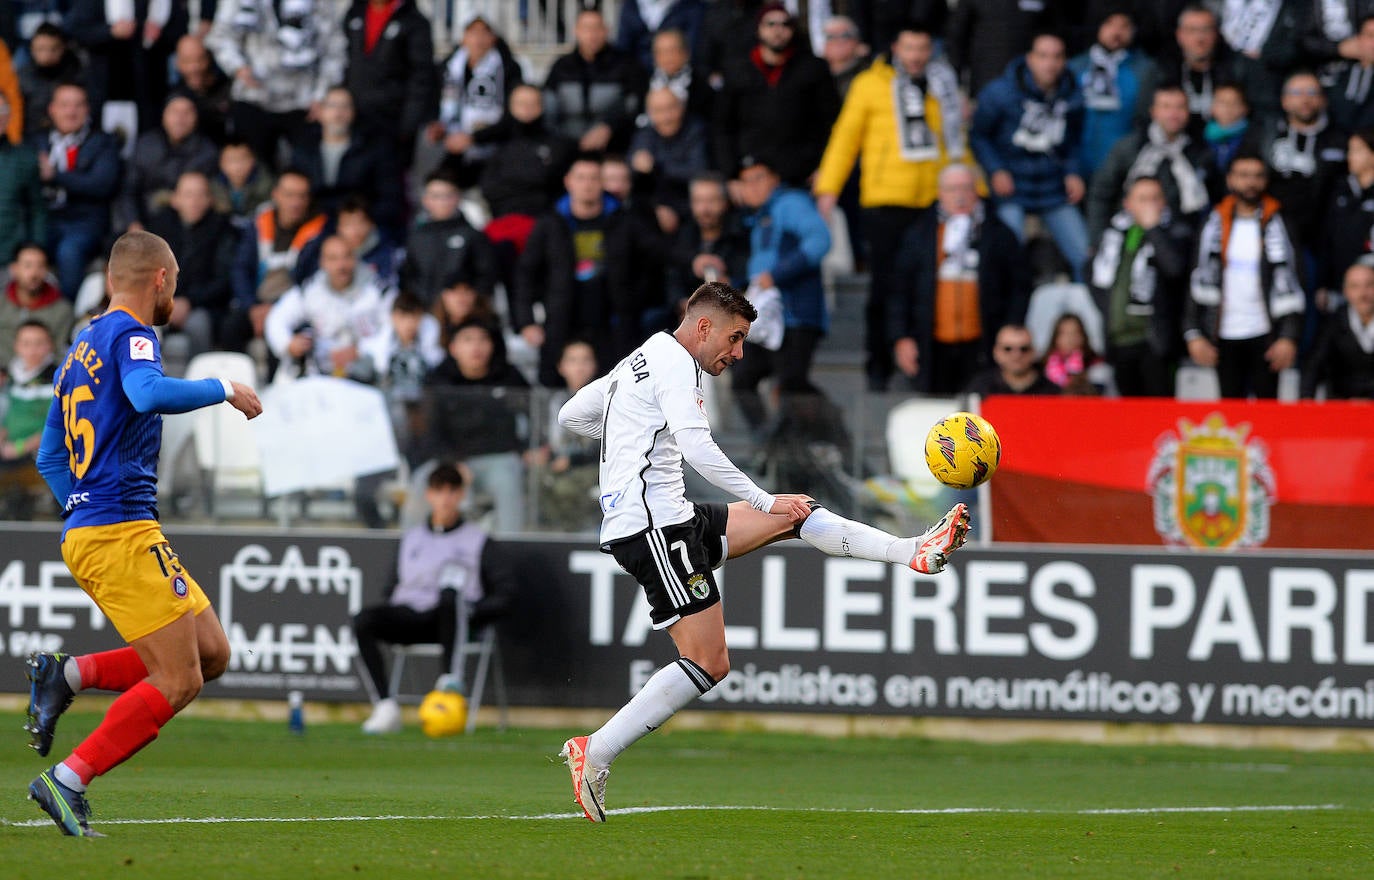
642,161
1281,354
123,30
763,280
1203,353
246,400
667,219
794,507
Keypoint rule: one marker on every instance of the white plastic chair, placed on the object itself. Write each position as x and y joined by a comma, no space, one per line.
1049,301
224,442
907,425
482,645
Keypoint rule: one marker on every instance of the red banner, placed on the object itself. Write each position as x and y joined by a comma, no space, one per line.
1220,475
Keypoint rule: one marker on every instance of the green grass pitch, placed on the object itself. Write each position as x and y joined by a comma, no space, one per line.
227,799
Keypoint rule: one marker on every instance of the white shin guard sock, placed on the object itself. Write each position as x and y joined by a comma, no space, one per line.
666,691
834,535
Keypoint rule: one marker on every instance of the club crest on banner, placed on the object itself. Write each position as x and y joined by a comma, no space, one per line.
1212,485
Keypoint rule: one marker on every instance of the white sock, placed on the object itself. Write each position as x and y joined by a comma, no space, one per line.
67,776
667,691
834,535
71,671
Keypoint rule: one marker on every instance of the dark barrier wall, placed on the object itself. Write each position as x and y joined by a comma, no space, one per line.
1012,632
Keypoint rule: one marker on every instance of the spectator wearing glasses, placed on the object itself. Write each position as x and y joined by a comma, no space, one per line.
845,52
1306,158
1016,371
778,99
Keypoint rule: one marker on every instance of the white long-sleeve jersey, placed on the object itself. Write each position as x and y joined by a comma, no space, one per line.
650,414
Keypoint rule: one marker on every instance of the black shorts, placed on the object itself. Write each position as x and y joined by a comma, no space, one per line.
674,563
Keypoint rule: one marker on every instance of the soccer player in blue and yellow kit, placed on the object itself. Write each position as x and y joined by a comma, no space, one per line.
99,455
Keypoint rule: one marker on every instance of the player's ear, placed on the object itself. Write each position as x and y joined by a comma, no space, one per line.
704,326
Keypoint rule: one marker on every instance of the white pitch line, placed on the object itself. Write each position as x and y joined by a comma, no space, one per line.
682,808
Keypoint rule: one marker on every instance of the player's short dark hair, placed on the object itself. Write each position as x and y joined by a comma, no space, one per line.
721,297
237,143
408,303
911,26
28,246
446,475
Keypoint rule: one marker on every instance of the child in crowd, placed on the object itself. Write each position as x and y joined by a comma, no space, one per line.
241,183
27,396
568,463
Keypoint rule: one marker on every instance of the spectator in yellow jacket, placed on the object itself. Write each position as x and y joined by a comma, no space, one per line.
904,118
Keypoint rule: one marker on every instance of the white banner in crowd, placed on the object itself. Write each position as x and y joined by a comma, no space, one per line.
320,433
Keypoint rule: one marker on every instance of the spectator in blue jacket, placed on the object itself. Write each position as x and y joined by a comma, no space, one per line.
80,169
1112,75
787,241
1027,133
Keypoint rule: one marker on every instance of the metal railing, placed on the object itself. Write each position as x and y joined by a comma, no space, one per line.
531,27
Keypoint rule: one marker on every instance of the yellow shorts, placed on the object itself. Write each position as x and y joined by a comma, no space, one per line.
133,575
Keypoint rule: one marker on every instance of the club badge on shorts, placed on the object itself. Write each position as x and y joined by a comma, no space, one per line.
179,587
696,584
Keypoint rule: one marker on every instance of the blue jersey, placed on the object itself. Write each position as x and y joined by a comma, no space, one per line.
110,394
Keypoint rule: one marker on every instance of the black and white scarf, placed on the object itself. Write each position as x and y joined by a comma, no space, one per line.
297,34
1101,89
1199,97
915,138
679,83
1295,153
1158,151
1335,20
473,101
1245,24
1276,257
959,243
1143,275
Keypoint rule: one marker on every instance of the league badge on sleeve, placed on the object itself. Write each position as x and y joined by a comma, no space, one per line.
140,348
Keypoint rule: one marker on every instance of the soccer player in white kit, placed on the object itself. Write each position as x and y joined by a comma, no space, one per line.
650,415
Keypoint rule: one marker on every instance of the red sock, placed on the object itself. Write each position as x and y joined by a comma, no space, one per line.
116,670
132,722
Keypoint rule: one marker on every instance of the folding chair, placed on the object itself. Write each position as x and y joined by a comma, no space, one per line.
482,645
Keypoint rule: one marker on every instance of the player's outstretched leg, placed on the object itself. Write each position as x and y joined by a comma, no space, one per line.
588,782
54,680
927,553
67,807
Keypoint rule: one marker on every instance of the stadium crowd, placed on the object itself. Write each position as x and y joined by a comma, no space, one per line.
1064,197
